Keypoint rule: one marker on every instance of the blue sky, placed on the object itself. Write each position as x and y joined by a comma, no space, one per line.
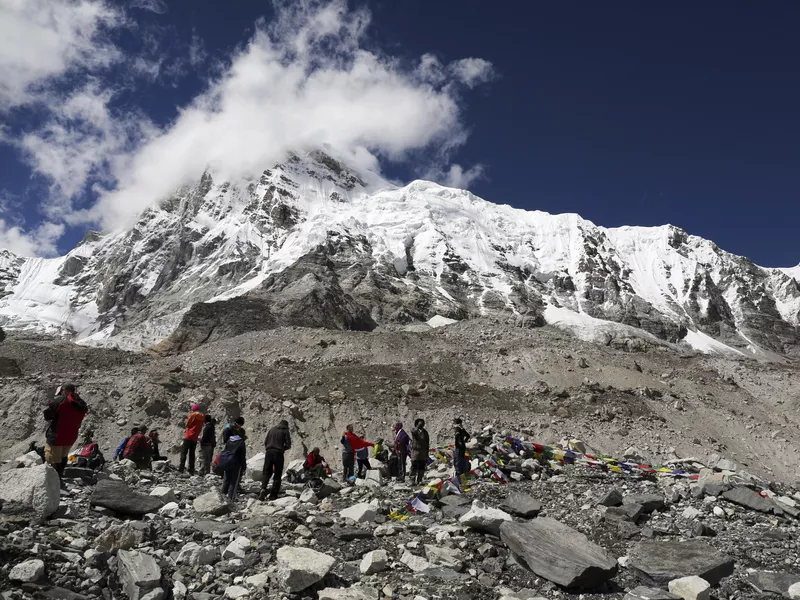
625,112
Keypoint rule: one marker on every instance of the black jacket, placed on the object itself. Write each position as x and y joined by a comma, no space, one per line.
278,438
462,437
209,435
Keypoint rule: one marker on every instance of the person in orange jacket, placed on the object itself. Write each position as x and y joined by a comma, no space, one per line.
194,425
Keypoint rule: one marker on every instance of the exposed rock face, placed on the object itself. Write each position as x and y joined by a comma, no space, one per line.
313,244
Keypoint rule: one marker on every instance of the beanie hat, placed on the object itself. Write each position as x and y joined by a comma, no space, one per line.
195,407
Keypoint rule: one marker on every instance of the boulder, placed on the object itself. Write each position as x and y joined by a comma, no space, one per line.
299,568
235,592
482,518
648,502
414,562
169,510
360,513
194,555
255,467
521,505
794,591
726,464
646,593
351,593
237,548
116,496
348,534
558,553
35,491
661,562
120,536
772,582
211,527
611,498
748,498
138,573
374,562
165,494
28,571
690,588
702,530
211,503
441,556
31,459
329,487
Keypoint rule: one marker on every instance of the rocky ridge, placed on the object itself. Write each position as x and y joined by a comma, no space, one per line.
312,242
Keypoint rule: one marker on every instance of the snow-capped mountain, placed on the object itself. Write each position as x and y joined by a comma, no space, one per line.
312,242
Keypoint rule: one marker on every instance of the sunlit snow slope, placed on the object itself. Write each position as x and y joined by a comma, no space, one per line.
404,254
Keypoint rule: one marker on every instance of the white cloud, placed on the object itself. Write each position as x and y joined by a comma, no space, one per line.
303,81
43,39
157,6
472,71
39,242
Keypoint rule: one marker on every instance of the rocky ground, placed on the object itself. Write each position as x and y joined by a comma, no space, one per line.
542,384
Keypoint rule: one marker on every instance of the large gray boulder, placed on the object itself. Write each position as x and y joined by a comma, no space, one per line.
255,466
748,498
28,571
300,568
483,518
138,573
558,553
773,582
116,496
661,562
34,490
648,502
121,536
211,503
521,505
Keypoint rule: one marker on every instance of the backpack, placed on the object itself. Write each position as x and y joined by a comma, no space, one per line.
227,460
393,466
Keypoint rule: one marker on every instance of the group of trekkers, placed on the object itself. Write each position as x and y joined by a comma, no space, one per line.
66,412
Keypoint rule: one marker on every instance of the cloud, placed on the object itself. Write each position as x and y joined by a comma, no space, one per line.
157,6
45,39
302,81
472,71
38,242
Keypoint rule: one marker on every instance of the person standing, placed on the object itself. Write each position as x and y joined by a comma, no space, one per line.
208,441
351,444
64,414
235,427
154,443
277,442
362,458
402,447
194,424
233,460
420,451
459,456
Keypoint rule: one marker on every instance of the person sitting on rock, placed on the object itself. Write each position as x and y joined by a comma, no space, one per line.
232,461
89,455
64,414
351,444
420,451
208,441
315,466
380,453
154,443
138,450
194,425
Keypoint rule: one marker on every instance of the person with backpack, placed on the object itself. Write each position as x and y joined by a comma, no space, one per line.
277,442
351,444
459,456
154,443
208,441
194,424
121,448
88,455
402,448
420,451
138,449
232,461
64,413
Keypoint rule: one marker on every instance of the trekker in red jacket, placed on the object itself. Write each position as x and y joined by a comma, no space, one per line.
65,414
194,425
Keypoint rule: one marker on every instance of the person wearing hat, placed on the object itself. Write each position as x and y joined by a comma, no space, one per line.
64,416
402,447
462,437
194,425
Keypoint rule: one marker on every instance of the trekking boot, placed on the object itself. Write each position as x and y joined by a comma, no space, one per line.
263,495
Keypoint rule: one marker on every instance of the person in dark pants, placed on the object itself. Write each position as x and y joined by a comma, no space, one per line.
155,442
420,451
235,427
278,441
351,444
402,447
194,424
459,457
208,441
234,459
